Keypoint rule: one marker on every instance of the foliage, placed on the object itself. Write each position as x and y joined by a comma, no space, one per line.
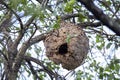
25,23
97,71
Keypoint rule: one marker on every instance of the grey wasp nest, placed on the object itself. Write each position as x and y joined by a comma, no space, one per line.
67,45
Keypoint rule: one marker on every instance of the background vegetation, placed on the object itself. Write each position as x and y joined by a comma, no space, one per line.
25,23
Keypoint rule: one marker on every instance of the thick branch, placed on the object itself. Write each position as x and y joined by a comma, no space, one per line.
91,24
19,58
21,34
22,50
38,38
68,16
23,27
99,14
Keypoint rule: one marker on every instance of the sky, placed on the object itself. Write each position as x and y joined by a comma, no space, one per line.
99,58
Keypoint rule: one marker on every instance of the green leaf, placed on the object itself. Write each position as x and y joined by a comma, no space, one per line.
112,66
81,18
108,45
101,76
99,47
57,24
14,3
69,6
24,2
20,8
101,69
116,46
68,38
116,61
108,2
79,74
72,2
102,45
98,38
65,1
41,16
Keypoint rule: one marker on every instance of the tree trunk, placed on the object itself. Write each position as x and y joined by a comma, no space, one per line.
10,73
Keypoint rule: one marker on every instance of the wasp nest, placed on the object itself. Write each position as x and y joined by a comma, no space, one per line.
67,46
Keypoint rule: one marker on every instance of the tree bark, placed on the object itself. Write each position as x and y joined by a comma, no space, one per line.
9,73
99,14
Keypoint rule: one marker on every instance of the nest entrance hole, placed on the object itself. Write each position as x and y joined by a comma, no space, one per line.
63,49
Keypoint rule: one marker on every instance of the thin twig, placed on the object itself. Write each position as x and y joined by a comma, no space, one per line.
33,71
33,32
21,24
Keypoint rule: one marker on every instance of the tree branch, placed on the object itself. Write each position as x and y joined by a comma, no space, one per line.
33,71
68,16
21,34
22,50
18,18
6,22
91,24
50,72
4,55
38,38
99,14
33,32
